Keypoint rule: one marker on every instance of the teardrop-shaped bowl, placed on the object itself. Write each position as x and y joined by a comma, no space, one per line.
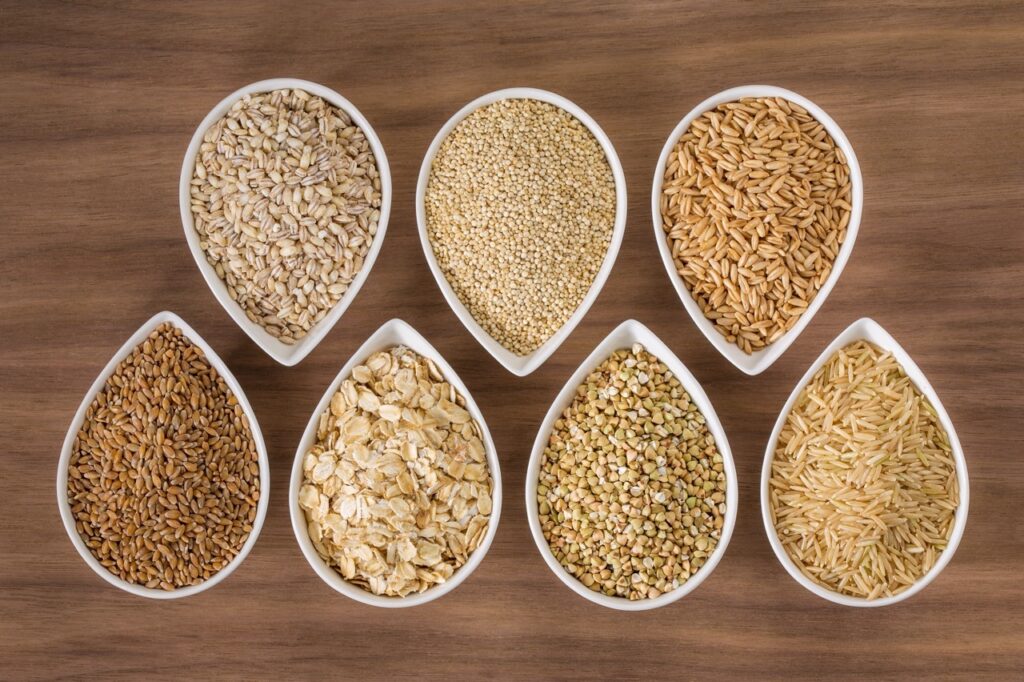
866,329
521,365
759,361
395,332
65,458
624,336
284,353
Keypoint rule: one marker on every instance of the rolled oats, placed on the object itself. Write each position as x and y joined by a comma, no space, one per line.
396,491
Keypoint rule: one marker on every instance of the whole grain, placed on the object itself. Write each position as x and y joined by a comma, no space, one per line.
520,206
286,200
163,479
396,491
631,492
755,205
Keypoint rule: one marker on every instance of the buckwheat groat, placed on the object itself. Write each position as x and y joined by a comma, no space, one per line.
631,494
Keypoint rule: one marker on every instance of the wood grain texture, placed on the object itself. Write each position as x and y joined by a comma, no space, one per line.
98,102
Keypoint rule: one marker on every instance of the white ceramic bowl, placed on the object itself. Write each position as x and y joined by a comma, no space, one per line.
65,457
868,330
757,362
624,336
521,365
392,333
282,352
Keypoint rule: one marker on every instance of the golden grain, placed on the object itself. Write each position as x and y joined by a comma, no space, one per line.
755,205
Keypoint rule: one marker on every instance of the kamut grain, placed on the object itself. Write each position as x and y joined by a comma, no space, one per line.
163,479
755,204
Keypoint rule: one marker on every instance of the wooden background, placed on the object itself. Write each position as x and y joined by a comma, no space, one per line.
97,104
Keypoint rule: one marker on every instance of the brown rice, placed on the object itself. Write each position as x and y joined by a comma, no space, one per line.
863,489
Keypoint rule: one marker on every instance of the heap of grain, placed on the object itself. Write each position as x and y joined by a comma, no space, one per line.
863,487
631,494
285,199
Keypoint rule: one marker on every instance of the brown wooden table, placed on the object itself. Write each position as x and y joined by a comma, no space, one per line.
98,103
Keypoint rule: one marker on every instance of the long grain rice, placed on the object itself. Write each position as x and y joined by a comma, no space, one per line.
863,488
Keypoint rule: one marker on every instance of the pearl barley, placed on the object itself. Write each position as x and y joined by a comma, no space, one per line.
286,197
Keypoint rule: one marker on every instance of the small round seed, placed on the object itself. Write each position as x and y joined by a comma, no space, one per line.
520,207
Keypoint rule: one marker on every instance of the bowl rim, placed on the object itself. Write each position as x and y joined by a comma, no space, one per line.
394,332
283,353
521,365
623,336
868,330
76,423
759,361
